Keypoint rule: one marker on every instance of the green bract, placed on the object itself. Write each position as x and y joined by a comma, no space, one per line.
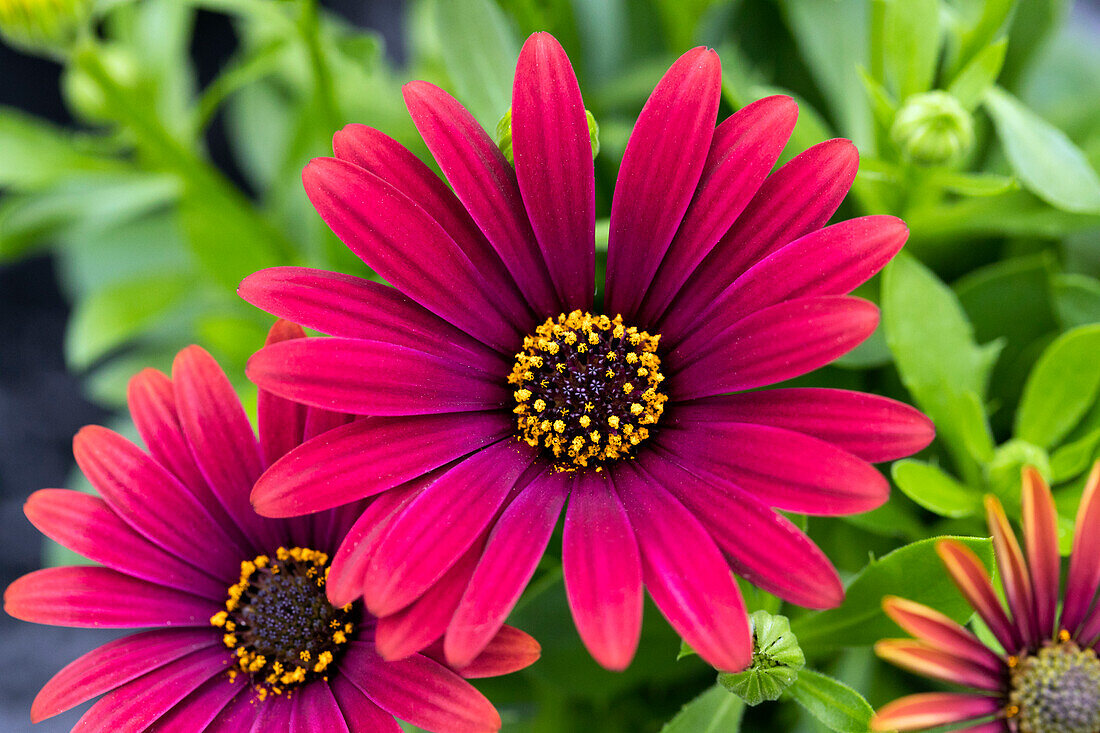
776,659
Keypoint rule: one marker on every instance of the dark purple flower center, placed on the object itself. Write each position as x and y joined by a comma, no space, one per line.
586,388
1056,690
278,622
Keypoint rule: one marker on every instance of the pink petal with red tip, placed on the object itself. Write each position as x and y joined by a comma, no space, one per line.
199,709
553,161
281,422
1013,570
928,661
415,553
87,526
419,691
762,547
1084,564
744,149
100,597
360,714
868,426
400,241
486,184
114,664
973,581
373,378
661,167
931,709
771,345
1041,539
315,710
351,307
389,160
603,571
779,468
515,547
140,703
685,573
829,261
133,484
794,201
368,457
939,631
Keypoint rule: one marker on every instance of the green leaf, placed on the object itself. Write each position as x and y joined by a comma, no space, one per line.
1076,299
994,14
979,75
911,36
1046,160
715,711
480,52
1061,387
913,571
1073,459
34,152
972,184
934,490
837,706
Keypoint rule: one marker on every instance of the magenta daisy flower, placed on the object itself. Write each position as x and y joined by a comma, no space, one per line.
490,357
1045,677
242,636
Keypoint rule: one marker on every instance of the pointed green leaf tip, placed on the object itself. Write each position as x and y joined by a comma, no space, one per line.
776,659
504,135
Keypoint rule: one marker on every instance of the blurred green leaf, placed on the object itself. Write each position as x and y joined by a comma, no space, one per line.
1034,22
911,44
715,711
837,706
480,51
1073,459
992,19
934,490
34,153
972,184
1061,387
1076,299
1046,160
913,572
979,75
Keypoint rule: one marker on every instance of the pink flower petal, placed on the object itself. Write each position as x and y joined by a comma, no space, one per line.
553,161
1084,565
140,703
780,342
94,597
281,422
1013,570
1041,539
360,714
660,170
370,456
603,572
515,547
794,201
154,503
762,547
932,709
510,650
970,576
114,664
780,468
315,710
199,709
871,427
928,661
744,149
87,526
685,573
939,631
486,184
439,525
400,241
373,378
389,160
419,691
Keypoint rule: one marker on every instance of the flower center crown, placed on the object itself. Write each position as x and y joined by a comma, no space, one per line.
279,623
587,388
1057,690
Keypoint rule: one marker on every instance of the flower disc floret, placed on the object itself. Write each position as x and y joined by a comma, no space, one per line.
587,388
1057,690
279,623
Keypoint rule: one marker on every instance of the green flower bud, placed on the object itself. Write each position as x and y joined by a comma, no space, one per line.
43,25
83,93
776,659
1004,471
504,134
933,129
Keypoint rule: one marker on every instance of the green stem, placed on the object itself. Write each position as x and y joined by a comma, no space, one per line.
324,89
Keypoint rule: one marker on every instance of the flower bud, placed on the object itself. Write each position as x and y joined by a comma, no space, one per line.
43,25
83,93
933,129
776,659
504,134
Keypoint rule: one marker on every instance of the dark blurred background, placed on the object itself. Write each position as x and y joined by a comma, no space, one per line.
41,404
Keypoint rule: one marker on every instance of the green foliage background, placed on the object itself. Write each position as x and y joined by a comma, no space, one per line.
991,317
